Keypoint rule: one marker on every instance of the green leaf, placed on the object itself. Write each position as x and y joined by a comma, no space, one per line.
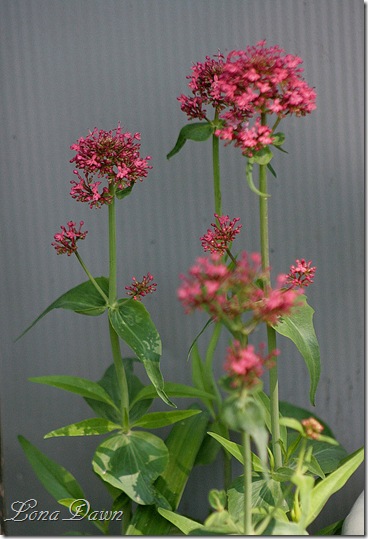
298,327
133,324
74,384
110,384
203,378
210,447
173,390
184,524
292,423
322,492
132,462
82,299
195,131
88,427
236,451
122,193
183,444
266,493
280,528
331,529
57,480
272,170
156,420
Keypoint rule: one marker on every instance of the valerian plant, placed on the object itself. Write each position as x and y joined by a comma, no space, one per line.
291,461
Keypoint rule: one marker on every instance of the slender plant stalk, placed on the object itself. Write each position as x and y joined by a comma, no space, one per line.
247,455
216,171
91,278
114,338
271,334
218,211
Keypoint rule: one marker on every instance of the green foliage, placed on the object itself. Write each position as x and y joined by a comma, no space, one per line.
109,383
298,327
183,444
172,389
323,490
156,420
82,299
184,524
132,462
197,131
57,480
240,412
88,427
132,322
80,386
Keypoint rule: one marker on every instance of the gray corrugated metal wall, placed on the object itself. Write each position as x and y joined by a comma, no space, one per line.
70,65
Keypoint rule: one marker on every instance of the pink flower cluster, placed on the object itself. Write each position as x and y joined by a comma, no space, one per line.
226,293
257,81
261,80
301,275
139,289
265,79
66,240
245,366
112,155
203,84
223,233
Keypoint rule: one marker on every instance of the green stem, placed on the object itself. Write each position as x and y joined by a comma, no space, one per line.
274,401
112,253
114,338
271,334
91,278
216,170
248,530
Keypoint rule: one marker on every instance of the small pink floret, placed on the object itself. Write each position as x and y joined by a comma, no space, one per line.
223,233
142,288
301,275
66,240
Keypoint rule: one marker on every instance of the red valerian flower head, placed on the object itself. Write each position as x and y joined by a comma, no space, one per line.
139,289
112,155
301,275
245,366
265,79
203,84
223,233
260,81
66,240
